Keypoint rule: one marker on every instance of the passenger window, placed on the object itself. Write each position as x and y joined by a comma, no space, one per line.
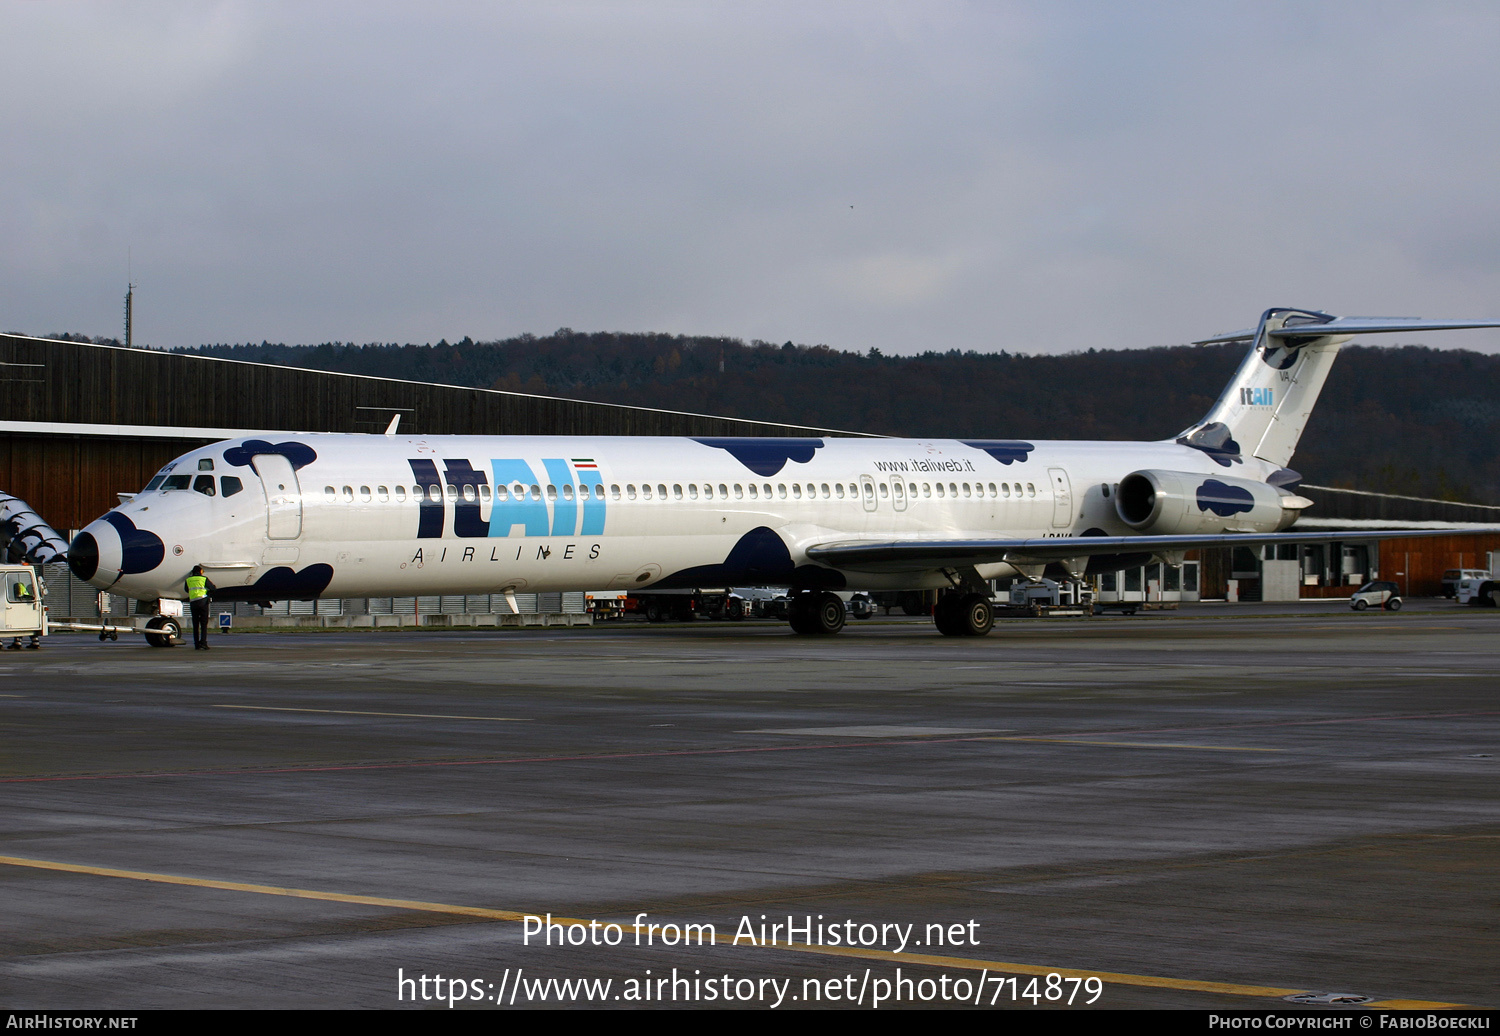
781,490
383,493
966,490
364,494
452,492
661,491
484,492
400,494
941,492
1030,489
501,493
567,492
1005,488
435,493
926,488
677,492
723,491
599,491
754,493
693,492
583,491
536,492
204,484
797,490
349,494
645,492
870,490
739,492
766,489
614,491
630,491
328,491
885,490
471,495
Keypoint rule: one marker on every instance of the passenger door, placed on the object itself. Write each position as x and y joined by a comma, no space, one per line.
278,480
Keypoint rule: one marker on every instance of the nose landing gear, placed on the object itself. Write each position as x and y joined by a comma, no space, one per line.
162,631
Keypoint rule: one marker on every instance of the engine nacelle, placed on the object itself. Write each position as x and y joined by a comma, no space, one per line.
1167,503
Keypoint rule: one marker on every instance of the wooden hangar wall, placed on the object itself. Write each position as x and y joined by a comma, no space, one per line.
72,478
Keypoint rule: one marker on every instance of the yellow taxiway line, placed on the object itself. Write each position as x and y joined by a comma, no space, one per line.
489,913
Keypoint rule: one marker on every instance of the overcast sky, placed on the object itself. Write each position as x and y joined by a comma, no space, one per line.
1039,177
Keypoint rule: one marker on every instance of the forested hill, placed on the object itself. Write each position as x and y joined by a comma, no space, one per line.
1409,419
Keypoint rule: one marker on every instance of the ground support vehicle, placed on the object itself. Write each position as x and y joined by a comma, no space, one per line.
23,617
1478,591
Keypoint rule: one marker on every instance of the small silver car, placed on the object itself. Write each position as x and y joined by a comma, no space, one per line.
1380,594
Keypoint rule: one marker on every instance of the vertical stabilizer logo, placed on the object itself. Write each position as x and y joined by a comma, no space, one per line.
1257,397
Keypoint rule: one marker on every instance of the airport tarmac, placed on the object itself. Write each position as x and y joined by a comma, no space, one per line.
1215,807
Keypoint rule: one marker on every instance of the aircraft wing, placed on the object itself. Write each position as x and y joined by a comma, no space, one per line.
1353,326
926,555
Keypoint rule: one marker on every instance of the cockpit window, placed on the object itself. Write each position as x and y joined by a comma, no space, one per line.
158,480
231,484
176,482
206,464
204,484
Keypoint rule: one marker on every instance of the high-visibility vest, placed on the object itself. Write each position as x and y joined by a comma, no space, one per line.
197,586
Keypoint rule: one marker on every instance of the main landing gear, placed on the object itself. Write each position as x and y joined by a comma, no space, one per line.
963,615
816,611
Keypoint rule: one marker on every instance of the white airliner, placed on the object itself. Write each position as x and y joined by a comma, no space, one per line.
300,516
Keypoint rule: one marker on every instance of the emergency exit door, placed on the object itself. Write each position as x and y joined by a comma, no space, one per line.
278,480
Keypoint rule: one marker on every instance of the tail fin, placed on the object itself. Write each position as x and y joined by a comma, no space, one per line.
1267,403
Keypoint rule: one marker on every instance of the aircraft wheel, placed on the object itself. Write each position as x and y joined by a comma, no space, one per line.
975,615
827,613
161,631
1361,605
945,615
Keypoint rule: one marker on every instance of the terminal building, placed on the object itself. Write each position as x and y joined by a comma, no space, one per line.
84,423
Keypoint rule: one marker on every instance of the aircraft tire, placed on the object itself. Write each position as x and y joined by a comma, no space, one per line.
827,613
975,615
161,631
945,616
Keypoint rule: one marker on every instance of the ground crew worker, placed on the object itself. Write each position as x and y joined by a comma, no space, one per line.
199,590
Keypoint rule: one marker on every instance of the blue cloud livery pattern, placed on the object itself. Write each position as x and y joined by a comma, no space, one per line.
1224,500
766,457
140,549
1006,451
759,558
299,453
281,584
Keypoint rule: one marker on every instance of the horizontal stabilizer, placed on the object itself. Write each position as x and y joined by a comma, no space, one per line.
926,555
1354,326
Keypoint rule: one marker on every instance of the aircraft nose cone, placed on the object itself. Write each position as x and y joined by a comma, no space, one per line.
83,556
112,547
